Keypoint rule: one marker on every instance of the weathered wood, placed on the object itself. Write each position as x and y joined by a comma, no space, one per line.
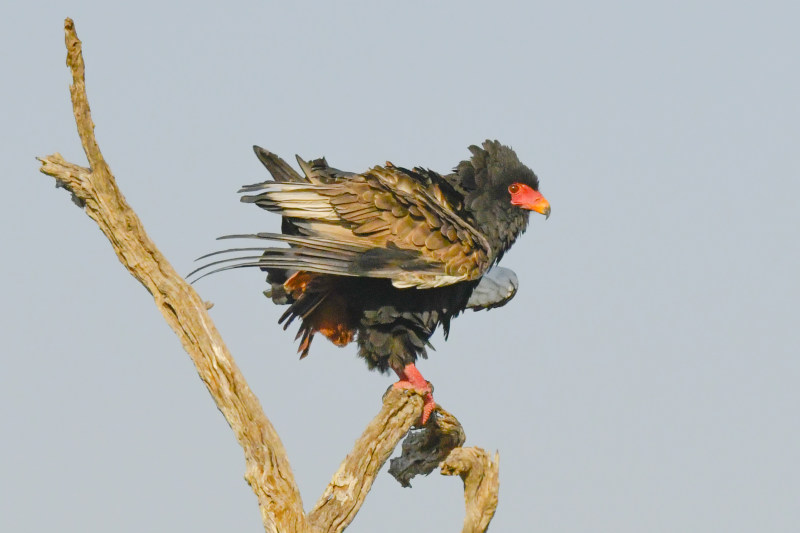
267,467
481,484
350,484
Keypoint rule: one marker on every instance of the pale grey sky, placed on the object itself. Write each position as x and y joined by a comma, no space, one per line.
645,378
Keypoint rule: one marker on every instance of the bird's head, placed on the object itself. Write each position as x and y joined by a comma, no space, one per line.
526,197
500,193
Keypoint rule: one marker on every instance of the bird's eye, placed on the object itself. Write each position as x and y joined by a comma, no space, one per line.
513,188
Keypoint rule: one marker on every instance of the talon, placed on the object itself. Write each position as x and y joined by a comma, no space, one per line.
410,378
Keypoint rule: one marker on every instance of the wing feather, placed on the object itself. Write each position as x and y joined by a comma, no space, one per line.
388,222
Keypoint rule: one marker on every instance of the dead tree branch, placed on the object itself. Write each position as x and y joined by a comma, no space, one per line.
268,471
267,467
350,484
481,484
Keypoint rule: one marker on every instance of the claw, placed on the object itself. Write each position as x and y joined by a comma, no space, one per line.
410,378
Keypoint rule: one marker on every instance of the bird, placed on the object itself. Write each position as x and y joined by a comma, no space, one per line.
384,257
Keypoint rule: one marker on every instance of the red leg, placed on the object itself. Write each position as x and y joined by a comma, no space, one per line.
410,378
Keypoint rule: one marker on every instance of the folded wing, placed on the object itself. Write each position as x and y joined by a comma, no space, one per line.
388,222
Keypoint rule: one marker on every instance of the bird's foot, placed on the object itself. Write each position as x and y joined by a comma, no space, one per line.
410,378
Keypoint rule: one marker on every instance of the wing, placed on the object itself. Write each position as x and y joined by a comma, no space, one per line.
496,288
316,171
388,222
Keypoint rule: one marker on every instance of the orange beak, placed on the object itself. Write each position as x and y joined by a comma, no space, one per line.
532,200
541,205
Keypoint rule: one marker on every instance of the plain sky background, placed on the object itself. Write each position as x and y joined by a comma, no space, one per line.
646,376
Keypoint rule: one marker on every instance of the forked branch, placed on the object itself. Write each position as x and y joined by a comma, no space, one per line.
267,467
268,471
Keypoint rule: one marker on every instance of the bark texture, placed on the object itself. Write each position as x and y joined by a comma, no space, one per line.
267,467
480,473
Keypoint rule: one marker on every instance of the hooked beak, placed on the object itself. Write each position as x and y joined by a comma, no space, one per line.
533,201
541,206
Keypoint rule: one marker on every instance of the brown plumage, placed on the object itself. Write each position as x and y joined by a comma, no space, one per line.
385,256
384,223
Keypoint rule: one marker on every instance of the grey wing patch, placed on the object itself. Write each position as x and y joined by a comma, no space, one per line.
495,289
324,256
392,258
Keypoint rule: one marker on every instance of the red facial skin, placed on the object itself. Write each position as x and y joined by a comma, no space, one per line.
525,197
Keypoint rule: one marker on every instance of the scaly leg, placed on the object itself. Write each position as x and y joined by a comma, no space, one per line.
410,378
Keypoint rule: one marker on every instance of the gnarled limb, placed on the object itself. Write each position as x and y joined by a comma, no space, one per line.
481,484
425,450
345,493
267,467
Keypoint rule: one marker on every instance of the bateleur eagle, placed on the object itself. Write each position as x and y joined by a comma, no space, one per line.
385,256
